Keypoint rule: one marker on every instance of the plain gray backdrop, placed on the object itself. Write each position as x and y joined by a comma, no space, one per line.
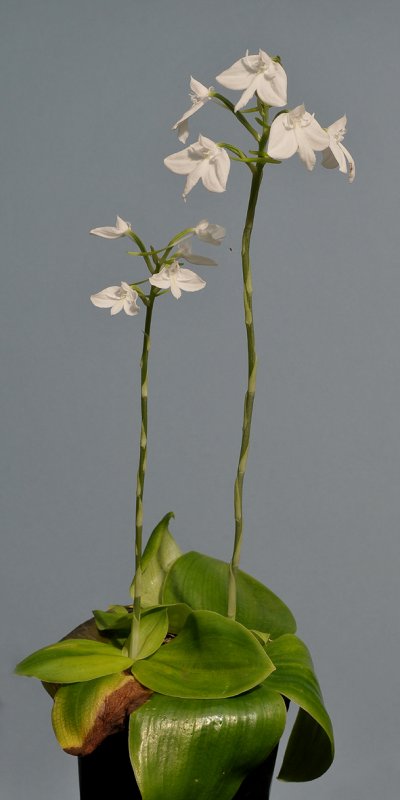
89,91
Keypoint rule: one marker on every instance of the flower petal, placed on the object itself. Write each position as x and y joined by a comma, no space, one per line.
182,131
198,171
306,151
118,306
209,232
282,141
216,176
317,137
161,280
112,232
188,281
248,92
240,73
106,298
274,91
131,307
181,163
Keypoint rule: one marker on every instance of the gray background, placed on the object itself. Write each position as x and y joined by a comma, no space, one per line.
89,90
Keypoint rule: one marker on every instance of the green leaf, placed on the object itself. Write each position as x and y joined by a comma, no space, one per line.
73,660
211,657
202,582
202,749
153,629
84,714
310,749
160,553
118,620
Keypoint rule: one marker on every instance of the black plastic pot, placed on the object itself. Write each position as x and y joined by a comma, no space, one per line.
107,774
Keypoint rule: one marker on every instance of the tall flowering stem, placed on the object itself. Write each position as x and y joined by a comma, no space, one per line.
141,473
257,172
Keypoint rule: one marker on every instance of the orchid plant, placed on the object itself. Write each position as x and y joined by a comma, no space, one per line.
204,660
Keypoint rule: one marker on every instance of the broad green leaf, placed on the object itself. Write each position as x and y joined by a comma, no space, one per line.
153,629
202,749
160,553
310,749
118,620
202,582
211,657
73,660
84,714
177,614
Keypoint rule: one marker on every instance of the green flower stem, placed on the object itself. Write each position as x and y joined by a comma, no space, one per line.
251,377
227,103
134,637
142,248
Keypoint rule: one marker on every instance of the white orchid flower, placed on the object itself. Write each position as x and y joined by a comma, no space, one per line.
297,131
120,228
337,155
203,160
184,250
209,232
177,279
117,298
199,96
257,73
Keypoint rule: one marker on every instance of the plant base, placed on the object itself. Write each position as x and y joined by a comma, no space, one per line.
107,773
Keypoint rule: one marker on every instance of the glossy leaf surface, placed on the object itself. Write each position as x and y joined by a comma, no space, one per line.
202,749
73,660
310,749
202,583
211,657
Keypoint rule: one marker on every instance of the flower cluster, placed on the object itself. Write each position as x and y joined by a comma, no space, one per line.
293,131
170,276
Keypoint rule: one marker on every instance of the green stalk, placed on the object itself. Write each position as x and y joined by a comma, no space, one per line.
137,582
257,173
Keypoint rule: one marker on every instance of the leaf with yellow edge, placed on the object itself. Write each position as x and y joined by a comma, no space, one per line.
86,713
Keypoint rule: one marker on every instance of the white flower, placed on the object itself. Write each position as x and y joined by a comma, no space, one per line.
184,250
337,155
209,232
113,232
257,73
117,298
203,159
199,97
297,131
177,279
